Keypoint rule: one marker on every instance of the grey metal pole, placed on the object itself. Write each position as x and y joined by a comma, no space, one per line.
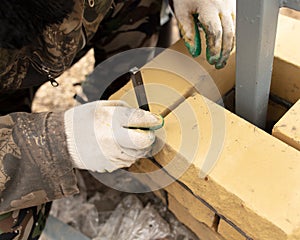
256,33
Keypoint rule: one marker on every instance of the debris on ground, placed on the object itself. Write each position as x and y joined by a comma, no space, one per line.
110,214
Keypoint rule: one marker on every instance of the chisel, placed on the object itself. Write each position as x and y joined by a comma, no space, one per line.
139,89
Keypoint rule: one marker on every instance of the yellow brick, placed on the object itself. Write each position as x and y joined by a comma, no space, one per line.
193,205
171,76
255,181
287,128
285,82
223,78
163,88
200,229
286,69
290,12
228,232
286,39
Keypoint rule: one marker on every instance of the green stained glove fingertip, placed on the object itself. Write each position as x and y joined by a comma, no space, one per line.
212,59
162,121
158,126
220,65
195,48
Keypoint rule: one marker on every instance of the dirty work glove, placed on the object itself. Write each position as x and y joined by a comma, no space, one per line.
217,18
103,136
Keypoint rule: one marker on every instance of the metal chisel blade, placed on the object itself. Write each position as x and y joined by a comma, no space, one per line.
142,100
139,88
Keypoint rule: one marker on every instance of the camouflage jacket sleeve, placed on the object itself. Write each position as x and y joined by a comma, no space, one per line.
35,167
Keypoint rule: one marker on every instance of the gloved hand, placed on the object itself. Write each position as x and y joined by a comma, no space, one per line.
217,18
103,136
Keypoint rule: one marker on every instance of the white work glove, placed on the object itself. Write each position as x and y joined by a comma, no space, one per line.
217,18
103,136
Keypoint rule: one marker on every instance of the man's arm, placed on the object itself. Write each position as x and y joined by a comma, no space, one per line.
39,151
34,167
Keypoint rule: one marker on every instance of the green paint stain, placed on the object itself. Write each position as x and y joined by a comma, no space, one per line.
195,49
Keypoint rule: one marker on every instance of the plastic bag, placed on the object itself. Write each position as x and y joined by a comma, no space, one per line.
100,212
131,221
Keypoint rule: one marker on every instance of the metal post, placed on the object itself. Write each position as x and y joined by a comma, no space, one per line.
256,32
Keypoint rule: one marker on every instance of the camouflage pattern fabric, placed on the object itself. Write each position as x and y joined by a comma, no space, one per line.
61,45
35,166
27,223
136,21
34,169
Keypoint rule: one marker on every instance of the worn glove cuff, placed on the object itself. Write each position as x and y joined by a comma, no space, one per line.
81,139
69,130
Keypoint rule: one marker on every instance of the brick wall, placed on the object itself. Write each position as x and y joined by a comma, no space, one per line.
240,182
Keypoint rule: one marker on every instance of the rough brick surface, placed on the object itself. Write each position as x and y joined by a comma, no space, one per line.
287,128
197,70
286,69
200,229
255,181
173,74
163,88
228,232
193,206
250,177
